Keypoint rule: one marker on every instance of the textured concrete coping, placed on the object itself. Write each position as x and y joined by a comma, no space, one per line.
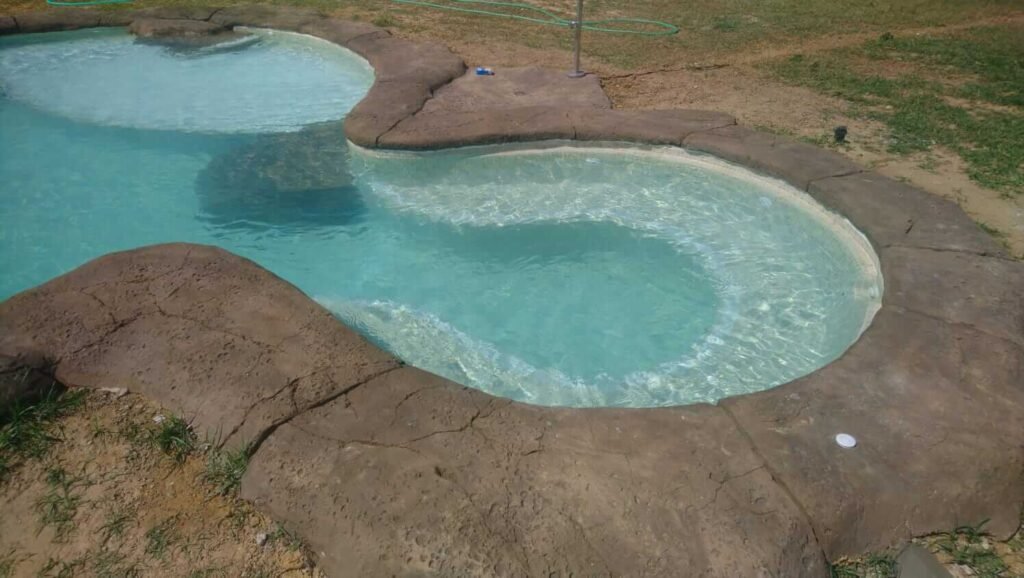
388,470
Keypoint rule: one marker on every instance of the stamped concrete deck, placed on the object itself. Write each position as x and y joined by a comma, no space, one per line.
390,471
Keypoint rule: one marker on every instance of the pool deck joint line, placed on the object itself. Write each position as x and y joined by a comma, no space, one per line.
388,470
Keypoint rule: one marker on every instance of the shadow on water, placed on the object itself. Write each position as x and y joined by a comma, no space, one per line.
295,180
202,46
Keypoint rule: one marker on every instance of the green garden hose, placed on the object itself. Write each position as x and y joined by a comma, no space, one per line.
550,18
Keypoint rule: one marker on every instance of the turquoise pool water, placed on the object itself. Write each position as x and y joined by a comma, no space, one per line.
552,275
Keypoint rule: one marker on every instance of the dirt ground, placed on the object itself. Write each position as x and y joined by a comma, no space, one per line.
987,558
105,502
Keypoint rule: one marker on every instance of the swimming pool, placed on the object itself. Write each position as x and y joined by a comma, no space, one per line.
553,274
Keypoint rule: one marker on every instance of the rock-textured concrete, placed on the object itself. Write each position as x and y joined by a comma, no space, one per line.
435,130
517,88
388,470
444,130
226,343
177,28
938,413
663,127
915,561
796,162
479,486
892,213
985,294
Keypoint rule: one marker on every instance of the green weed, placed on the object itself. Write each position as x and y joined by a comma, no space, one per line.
871,566
224,470
108,564
9,562
59,506
117,521
28,431
238,517
61,569
173,436
161,537
385,20
968,546
999,235
728,23
289,539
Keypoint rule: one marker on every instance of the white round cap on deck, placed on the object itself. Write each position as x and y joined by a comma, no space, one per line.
846,440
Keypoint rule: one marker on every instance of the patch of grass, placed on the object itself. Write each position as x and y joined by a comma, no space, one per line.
289,539
991,55
97,429
161,537
238,517
117,521
174,437
59,506
994,232
727,23
133,432
385,20
9,563
922,113
969,546
61,569
108,564
28,431
871,566
224,470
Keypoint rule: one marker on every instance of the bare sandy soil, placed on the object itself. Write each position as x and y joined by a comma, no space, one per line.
105,502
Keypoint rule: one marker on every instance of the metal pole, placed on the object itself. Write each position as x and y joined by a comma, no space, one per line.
578,25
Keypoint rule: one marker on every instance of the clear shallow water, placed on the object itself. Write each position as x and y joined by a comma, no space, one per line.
555,276
105,77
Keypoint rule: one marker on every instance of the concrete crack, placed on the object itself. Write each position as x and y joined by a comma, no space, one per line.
407,397
376,141
258,441
985,254
212,14
960,324
479,414
778,481
290,385
726,480
849,173
106,335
